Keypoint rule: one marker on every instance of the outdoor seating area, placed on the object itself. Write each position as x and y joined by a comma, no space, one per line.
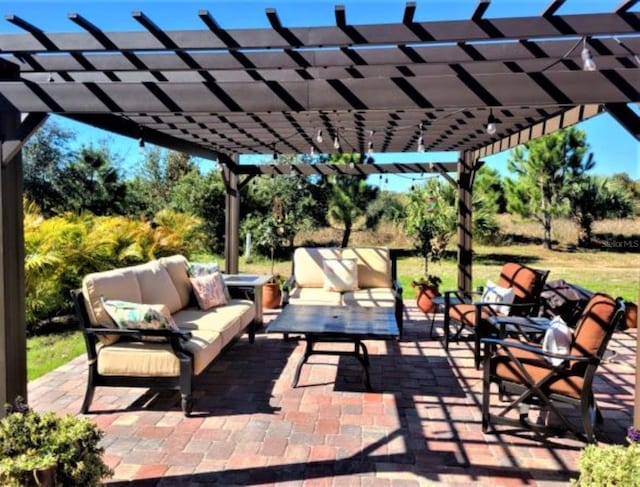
421,425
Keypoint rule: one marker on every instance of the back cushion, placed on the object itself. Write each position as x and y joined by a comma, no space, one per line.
176,266
156,286
374,265
594,324
522,279
308,264
120,284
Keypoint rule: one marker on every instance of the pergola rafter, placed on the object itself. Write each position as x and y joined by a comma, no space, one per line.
220,93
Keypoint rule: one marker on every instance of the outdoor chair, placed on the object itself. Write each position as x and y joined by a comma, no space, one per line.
464,314
526,369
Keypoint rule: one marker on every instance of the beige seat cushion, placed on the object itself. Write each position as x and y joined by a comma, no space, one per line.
227,320
308,265
144,359
374,266
176,266
371,298
310,295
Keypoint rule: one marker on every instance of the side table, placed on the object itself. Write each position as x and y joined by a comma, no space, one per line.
248,286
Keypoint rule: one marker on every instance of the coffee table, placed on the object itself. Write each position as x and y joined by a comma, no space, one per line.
336,324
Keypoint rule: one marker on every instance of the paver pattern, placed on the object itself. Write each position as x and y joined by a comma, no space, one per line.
421,426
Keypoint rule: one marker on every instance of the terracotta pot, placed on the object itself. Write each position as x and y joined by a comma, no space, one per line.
424,297
271,296
631,315
41,478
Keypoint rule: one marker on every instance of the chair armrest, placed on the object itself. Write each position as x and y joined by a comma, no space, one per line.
461,296
537,350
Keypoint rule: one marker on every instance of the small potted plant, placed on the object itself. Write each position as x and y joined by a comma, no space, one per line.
428,288
49,450
269,236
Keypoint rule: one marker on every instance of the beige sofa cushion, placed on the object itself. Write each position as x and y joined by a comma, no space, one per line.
375,297
374,266
308,265
156,285
227,320
311,295
176,266
120,284
138,359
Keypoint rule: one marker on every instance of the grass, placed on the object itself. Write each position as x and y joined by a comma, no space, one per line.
47,352
613,272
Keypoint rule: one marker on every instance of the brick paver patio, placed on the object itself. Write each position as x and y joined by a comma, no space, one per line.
421,427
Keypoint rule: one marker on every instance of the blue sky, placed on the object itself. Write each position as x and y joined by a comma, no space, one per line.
615,150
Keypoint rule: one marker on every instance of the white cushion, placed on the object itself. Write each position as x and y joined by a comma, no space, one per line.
497,294
557,339
340,275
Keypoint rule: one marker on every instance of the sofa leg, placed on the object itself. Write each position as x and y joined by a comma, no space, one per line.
187,404
88,395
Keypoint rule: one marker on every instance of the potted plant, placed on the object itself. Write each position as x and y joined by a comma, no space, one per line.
270,236
49,450
431,222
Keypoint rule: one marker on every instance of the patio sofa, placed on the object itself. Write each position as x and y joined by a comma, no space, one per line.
376,283
154,358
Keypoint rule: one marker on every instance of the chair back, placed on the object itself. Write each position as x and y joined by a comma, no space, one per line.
527,284
596,325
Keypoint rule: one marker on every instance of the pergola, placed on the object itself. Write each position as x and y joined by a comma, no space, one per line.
217,93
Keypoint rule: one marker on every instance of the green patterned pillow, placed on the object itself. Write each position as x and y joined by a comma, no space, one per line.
127,315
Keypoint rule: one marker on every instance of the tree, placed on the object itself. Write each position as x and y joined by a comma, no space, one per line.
431,219
545,168
487,200
44,155
592,198
91,183
349,197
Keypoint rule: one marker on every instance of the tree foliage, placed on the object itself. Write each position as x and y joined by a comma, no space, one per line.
544,169
594,198
431,219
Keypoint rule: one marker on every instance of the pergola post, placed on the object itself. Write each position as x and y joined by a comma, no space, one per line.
465,213
232,220
13,335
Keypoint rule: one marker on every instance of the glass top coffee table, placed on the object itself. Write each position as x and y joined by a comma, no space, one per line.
337,324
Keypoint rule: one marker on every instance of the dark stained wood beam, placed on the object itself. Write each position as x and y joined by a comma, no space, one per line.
626,117
13,143
552,8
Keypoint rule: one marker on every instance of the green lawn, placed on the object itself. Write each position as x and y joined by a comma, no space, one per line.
47,352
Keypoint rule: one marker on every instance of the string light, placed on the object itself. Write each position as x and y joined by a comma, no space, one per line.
141,146
319,138
420,138
588,64
336,142
491,123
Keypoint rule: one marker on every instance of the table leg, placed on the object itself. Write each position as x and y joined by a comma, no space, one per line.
364,360
307,353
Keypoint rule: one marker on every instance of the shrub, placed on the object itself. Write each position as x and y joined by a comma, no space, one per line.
32,441
611,465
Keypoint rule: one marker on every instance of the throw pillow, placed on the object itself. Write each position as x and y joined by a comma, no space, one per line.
209,290
137,316
497,294
340,275
557,339
198,269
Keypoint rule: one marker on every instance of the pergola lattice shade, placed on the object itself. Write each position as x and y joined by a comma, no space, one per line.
215,91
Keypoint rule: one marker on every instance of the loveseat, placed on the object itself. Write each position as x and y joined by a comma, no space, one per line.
374,278
162,358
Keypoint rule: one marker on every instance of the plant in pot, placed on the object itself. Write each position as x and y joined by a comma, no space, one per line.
431,222
269,237
49,450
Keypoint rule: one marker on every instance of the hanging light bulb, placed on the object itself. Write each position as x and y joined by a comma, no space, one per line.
491,123
141,146
370,147
336,143
319,138
312,151
420,144
588,64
